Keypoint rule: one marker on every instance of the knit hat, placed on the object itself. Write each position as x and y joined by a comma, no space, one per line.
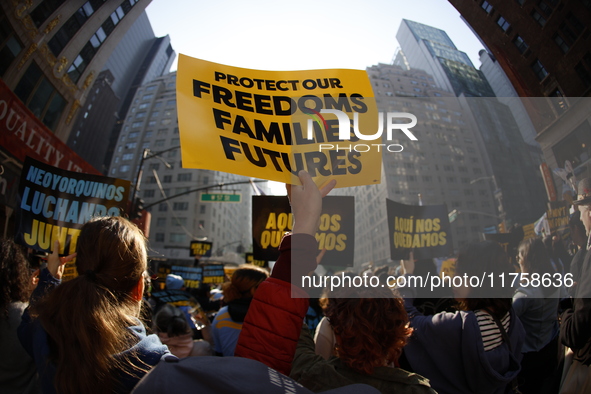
174,282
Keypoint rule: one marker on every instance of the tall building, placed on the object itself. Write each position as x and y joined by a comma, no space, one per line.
430,49
152,124
517,183
52,51
138,58
543,47
437,169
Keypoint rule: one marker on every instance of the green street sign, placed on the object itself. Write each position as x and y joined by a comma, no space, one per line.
220,197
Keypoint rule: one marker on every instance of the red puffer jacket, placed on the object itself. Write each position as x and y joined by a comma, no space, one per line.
272,327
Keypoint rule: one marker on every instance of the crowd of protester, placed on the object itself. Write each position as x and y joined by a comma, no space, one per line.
108,330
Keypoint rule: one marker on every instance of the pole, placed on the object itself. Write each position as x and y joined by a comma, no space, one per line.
146,154
202,188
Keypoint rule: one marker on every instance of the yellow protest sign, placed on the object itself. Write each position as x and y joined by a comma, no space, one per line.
272,124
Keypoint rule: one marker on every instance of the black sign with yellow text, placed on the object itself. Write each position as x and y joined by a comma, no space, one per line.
200,248
249,257
272,218
423,229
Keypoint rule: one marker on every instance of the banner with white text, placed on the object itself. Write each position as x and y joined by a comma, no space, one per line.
55,203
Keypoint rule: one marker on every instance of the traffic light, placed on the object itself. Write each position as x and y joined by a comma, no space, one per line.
502,228
138,207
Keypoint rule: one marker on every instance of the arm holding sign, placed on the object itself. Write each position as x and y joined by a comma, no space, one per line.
273,341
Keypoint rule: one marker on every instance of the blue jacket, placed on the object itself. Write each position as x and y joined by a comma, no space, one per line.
33,337
447,349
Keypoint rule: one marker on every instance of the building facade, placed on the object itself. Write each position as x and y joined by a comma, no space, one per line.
517,184
439,168
544,49
138,58
151,124
52,51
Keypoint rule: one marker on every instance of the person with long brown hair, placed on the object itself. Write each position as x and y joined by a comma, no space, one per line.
84,334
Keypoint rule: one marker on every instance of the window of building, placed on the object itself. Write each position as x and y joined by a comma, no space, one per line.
151,180
486,6
152,123
503,24
180,206
124,168
151,88
131,145
202,209
143,105
154,114
127,156
149,193
171,103
158,104
147,96
133,135
44,10
10,45
545,8
161,222
39,95
154,166
179,221
561,43
159,237
167,179
135,125
583,70
162,132
165,122
539,70
538,18
175,142
520,44
184,177
69,29
159,143
162,207
140,115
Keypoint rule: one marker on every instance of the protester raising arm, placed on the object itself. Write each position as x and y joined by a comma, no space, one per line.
271,329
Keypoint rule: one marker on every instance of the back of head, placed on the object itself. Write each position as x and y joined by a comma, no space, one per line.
87,317
171,321
174,282
15,275
489,258
243,283
371,326
534,257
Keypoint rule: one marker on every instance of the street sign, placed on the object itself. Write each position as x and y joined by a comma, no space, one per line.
220,197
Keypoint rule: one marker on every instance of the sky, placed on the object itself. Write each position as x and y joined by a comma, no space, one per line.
302,35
